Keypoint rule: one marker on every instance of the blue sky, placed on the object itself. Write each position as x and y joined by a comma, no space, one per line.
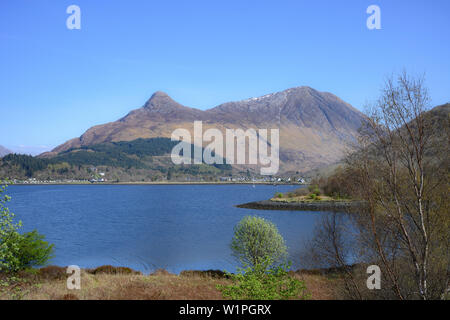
55,83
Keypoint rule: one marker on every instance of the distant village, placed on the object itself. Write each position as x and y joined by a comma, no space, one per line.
100,177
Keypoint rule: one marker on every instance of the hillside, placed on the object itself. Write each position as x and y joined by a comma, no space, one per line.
4,151
137,160
438,119
314,126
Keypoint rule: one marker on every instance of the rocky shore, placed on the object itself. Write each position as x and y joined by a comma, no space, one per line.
343,206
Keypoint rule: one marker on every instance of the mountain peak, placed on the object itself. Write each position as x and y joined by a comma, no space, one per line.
159,94
314,126
160,101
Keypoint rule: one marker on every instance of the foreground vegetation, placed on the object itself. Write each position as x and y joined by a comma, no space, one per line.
49,283
19,251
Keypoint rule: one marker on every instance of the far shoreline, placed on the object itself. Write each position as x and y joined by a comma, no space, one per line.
156,183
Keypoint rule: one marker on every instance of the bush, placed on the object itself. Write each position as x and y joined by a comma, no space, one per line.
259,284
53,273
278,195
18,252
33,250
108,269
314,188
8,234
256,240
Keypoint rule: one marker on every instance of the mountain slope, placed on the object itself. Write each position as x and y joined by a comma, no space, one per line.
4,151
137,160
314,126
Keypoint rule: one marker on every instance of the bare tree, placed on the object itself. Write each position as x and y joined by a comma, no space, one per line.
400,170
399,183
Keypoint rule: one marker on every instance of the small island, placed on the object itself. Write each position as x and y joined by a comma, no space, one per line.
305,199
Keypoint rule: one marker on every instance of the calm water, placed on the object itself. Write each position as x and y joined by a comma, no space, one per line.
176,227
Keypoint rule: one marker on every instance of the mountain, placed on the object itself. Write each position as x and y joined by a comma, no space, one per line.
315,127
4,151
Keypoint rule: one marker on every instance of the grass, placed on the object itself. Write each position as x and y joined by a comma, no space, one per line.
303,199
113,284
303,195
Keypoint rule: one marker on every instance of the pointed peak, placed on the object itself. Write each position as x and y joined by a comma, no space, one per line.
160,101
159,94
157,98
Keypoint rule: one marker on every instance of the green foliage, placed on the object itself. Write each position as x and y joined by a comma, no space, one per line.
169,174
125,154
8,234
260,283
33,250
27,163
19,251
140,147
278,195
314,188
257,240
85,157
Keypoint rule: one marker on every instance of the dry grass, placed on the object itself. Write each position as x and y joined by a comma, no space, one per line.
50,284
302,199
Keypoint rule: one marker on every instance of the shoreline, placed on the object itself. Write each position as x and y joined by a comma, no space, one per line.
335,206
153,183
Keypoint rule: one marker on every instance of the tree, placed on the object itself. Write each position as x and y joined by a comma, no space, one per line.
8,233
257,241
259,246
400,171
19,251
403,187
33,250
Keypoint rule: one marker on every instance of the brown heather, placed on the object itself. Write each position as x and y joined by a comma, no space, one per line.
118,283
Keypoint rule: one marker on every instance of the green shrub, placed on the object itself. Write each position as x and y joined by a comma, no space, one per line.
33,250
278,195
314,188
261,284
19,251
312,196
8,234
256,240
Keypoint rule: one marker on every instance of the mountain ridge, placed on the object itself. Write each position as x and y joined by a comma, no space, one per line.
315,126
